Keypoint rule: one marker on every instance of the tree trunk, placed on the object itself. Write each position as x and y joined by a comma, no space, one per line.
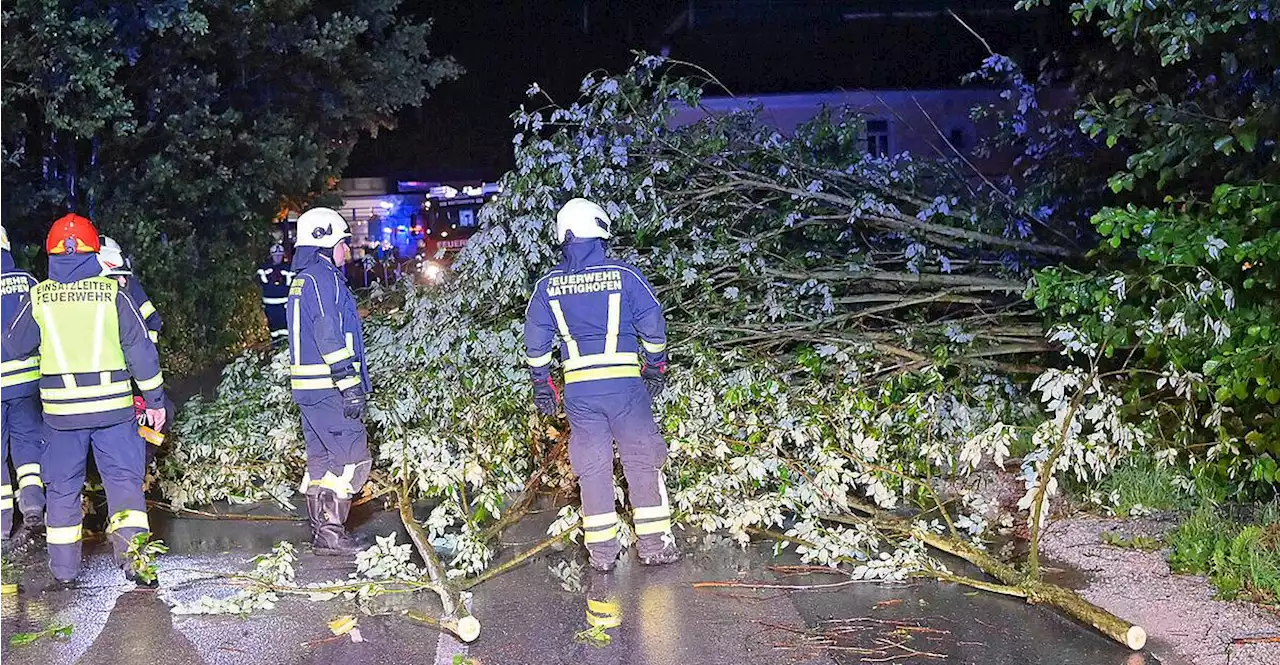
1063,599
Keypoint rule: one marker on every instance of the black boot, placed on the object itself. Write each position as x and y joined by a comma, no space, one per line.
313,510
668,554
33,521
330,536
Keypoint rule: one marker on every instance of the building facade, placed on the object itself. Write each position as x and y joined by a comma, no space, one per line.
922,123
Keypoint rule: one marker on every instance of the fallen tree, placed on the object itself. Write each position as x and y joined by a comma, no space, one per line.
843,327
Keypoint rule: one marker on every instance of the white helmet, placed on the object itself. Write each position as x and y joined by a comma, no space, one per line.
111,258
4,239
321,227
584,218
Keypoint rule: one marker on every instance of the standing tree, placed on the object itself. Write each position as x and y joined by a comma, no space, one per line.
182,128
1181,294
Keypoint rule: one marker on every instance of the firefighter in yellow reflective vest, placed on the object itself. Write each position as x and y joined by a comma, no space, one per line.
92,341
20,426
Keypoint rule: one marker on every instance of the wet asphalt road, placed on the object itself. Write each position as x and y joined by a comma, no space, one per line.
531,615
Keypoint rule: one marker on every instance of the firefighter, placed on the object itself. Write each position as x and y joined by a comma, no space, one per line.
92,341
116,266
20,426
328,378
274,281
613,350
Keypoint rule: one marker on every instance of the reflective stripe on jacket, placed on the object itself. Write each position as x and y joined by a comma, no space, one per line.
19,375
274,281
326,344
605,314
150,315
92,341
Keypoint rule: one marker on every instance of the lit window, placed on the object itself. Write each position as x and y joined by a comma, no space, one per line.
466,217
878,138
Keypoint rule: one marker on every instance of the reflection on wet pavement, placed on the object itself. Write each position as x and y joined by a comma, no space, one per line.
553,610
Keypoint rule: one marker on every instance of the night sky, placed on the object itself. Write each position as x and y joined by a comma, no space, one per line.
754,46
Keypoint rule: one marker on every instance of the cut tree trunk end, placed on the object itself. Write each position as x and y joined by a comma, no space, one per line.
455,617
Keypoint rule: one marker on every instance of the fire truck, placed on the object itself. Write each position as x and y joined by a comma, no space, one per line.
449,217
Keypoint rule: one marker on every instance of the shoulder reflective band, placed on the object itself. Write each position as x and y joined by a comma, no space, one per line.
540,361
615,314
654,348
563,325
54,340
146,309
129,519
62,535
294,340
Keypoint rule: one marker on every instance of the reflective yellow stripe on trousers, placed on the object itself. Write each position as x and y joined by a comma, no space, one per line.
28,475
592,531
62,535
129,519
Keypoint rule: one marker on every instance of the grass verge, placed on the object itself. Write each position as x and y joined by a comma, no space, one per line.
1241,558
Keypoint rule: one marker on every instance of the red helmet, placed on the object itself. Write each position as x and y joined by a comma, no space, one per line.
72,234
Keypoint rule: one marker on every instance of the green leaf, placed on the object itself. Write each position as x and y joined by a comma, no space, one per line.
1248,139
1225,144
23,639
